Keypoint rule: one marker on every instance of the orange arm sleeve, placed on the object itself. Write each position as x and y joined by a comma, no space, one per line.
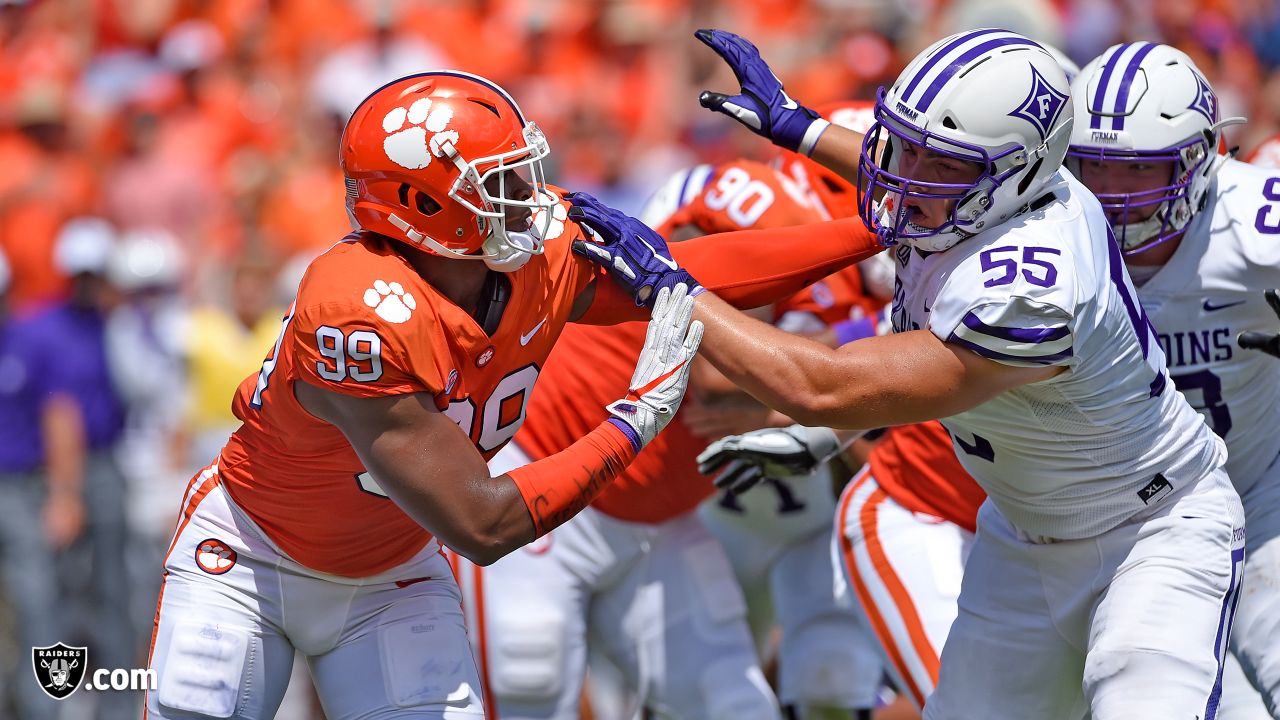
751,268
559,486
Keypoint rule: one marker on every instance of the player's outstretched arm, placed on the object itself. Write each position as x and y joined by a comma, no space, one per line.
764,108
879,381
432,470
749,268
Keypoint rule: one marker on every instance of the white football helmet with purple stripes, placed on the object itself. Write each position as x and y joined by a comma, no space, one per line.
1143,102
990,97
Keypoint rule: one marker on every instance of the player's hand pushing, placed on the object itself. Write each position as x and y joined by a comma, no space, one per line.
662,370
761,104
635,255
1266,342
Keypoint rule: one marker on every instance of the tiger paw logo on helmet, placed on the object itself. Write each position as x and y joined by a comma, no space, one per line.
407,144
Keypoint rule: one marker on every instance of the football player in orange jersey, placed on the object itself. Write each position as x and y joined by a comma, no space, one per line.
405,362
828,660
639,550
634,577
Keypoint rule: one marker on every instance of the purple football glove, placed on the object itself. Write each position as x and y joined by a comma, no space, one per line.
635,255
763,106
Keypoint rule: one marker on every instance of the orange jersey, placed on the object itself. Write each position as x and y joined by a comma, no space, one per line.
917,467
739,195
590,368
839,296
367,324
746,194
1267,154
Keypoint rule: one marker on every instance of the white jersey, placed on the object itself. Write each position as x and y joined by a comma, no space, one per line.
1079,453
1210,291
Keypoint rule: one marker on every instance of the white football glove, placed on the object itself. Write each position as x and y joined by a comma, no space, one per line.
768,453
662,370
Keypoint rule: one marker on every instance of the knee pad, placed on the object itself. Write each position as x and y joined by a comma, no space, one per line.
527,654
830,663
734,689
202,669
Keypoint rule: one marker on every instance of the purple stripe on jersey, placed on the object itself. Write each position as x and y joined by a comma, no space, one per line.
1115,266
1004,357
943,77
924,70
1122,95
1229,603
1095,120
1022,335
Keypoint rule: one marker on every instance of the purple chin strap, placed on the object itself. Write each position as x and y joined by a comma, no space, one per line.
1121,207
876,181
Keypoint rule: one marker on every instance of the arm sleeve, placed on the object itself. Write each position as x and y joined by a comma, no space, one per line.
558,486
751,268
347,353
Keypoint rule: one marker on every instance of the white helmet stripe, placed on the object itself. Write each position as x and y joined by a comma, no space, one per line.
938,55
1126,81
1112,91
947,63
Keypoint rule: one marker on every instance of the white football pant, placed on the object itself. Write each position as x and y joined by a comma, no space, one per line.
904,570
658,600
778,538
1133,623
233,609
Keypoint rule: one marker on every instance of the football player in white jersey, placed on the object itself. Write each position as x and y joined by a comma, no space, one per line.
1200,233
1104,574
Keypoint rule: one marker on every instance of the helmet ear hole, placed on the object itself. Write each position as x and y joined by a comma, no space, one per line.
426,204
422,202
1030,176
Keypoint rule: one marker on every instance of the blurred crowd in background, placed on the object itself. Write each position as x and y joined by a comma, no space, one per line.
168,167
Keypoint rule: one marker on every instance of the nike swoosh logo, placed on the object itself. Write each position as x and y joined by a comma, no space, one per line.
669,263
788,103
525,338
1210,307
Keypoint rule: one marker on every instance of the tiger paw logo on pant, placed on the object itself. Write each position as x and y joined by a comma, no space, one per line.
59,668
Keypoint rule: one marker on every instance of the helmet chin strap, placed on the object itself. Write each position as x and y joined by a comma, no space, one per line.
513,253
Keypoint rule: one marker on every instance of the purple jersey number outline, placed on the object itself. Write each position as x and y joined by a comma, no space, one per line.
1270,191
1010,266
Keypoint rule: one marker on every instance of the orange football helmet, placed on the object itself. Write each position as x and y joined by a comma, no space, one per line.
838,197
422,156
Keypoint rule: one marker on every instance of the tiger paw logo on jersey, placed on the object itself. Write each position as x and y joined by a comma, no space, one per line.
390,301
558,217
59,668
214,556
407,144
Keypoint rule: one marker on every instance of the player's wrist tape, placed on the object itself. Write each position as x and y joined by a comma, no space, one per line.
812,134
559,486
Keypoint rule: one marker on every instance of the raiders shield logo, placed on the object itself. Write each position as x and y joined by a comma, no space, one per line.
59,668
